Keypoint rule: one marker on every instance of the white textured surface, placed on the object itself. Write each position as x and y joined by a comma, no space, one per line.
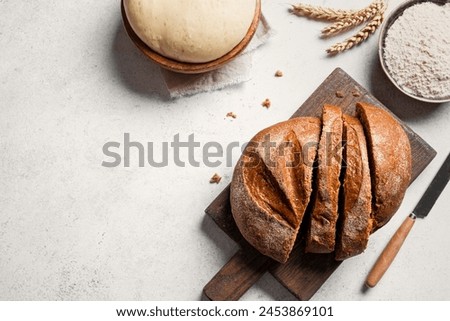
71,81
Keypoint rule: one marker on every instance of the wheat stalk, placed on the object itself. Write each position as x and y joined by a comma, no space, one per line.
344,20
355,20
321,13
357,39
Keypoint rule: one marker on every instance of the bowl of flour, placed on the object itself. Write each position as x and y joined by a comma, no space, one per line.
414,49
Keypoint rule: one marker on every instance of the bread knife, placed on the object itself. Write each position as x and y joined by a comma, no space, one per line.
421,210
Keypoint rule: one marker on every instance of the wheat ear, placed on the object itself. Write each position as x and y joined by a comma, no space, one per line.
357,39
321,13
355,20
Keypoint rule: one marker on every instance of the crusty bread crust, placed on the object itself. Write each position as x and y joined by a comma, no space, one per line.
322,232
271,187
390,161
355,221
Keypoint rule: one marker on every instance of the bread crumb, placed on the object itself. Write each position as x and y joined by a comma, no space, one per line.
278,73
266,103
231,115
356,93
339,94
215,179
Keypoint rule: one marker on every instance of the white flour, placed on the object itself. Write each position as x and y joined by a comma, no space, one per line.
417,50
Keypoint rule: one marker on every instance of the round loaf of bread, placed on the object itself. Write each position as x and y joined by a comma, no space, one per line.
272,184
193,31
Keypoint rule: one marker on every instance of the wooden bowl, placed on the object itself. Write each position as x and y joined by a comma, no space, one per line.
192,68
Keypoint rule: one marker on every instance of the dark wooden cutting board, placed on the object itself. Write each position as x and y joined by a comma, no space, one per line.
303,274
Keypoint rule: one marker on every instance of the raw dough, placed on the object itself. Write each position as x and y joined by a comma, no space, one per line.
193,31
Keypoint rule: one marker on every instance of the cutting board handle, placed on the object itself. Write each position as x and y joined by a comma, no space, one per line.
243,270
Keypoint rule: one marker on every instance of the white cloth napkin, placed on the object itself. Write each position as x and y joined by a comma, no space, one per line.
234,72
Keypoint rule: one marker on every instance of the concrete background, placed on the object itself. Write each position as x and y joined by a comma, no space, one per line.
71,229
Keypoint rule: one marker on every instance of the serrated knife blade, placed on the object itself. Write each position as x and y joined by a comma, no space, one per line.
421,210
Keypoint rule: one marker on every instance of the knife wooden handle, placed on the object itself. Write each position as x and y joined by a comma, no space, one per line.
237,276
390,251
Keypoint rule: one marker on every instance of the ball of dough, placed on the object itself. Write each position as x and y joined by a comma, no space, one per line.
194,31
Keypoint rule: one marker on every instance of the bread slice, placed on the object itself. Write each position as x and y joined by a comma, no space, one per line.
390,161
355,221
322,232
271,185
